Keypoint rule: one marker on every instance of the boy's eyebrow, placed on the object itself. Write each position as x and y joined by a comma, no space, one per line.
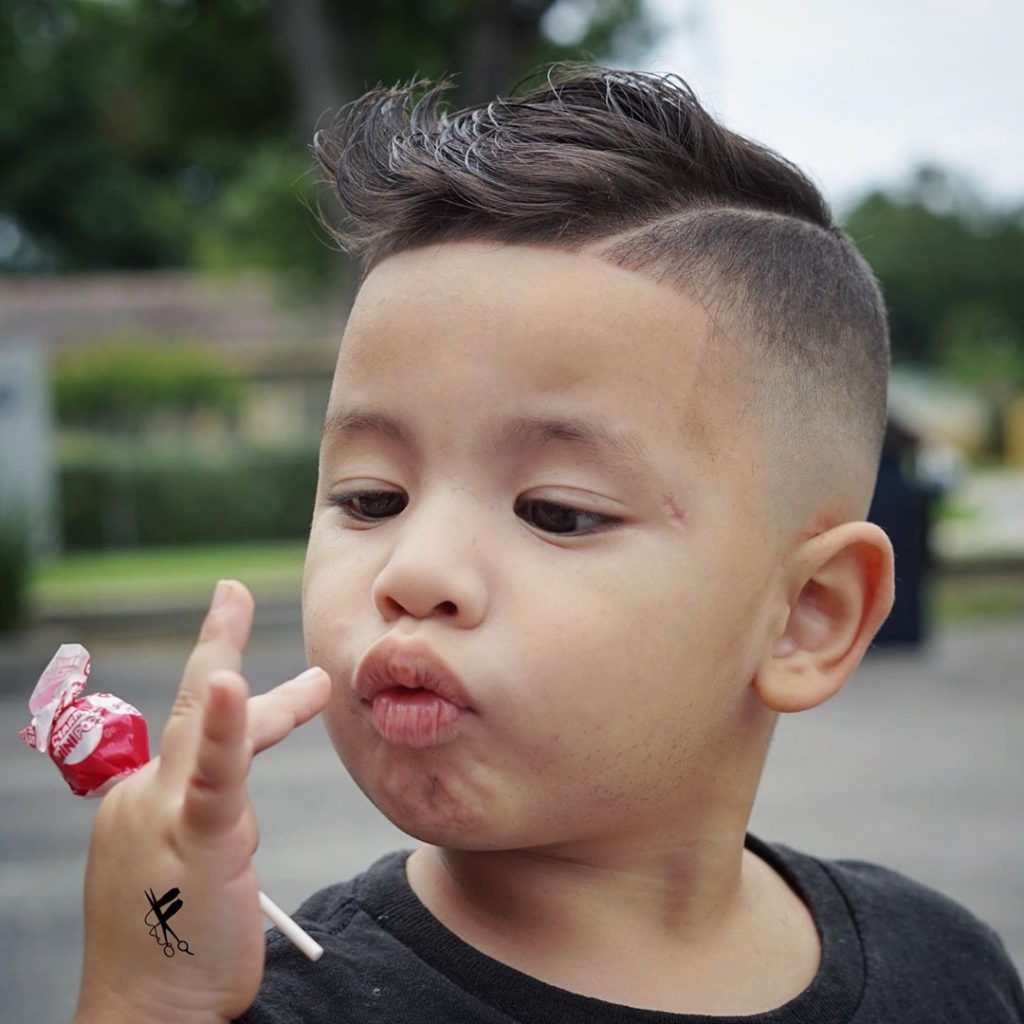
599,442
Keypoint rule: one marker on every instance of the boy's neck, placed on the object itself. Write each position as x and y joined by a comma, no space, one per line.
677,890
621,922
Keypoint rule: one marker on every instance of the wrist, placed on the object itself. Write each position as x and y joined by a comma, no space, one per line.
117,1008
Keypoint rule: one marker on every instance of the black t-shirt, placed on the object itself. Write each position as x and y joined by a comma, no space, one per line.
893,951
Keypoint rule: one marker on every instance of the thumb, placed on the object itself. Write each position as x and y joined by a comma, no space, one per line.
273,715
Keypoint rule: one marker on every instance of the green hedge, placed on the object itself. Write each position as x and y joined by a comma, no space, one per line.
15,564
121,382
139,498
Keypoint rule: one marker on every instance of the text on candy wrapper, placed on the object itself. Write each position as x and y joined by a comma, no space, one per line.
73,726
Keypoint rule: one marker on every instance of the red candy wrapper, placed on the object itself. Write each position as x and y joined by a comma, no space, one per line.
94,739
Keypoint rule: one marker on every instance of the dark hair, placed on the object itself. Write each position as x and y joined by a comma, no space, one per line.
630,167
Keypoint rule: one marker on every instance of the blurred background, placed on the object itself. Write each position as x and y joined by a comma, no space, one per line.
170,311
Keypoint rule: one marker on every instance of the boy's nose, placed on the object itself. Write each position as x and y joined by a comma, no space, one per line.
433,569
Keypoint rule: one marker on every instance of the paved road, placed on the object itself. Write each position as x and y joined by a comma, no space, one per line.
917,764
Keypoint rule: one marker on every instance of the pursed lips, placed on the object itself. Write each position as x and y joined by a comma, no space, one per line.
416,700
410,664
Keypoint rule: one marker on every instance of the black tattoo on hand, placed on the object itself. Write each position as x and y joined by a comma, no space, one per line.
162,913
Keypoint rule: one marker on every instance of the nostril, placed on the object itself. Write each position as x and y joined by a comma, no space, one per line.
448,607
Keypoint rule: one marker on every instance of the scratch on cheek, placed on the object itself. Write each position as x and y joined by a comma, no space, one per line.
674,512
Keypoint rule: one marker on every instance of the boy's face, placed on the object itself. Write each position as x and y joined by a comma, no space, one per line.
605,614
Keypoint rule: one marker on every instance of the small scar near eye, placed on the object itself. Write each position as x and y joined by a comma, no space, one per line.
674,511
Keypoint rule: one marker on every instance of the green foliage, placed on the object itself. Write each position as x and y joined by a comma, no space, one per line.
985,597
979,345
952,272
121,496
121,120
146,133
15,565
265,218
124,382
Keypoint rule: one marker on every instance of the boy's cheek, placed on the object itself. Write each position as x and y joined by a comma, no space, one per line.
330,616
340,565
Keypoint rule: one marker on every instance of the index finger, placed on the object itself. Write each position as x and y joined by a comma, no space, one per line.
223,634
222,639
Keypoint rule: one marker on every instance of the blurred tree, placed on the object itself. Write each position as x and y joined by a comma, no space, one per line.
343,49
952,271
120,122
143,133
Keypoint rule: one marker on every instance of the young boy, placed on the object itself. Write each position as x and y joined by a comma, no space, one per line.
603,433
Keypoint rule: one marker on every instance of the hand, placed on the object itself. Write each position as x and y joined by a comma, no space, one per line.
184,821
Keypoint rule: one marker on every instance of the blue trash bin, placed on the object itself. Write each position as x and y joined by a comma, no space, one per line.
902,506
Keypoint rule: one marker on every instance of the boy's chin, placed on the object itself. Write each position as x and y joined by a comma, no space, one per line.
452,838
454,827
446,814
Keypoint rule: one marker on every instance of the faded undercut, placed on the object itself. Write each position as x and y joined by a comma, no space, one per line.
628,166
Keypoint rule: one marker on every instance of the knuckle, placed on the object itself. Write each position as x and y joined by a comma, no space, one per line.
173,838
252,829
248,753
109,810
228,675
186,703
211,628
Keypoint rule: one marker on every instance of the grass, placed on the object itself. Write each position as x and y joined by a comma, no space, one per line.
951,507
124,579
150,576
990,597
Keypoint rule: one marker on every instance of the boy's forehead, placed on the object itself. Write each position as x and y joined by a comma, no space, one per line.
551,288
557,323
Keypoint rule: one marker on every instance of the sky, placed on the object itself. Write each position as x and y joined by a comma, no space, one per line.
856,92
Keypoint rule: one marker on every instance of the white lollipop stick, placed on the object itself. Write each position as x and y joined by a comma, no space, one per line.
289,929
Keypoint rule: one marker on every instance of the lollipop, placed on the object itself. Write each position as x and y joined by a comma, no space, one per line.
98,739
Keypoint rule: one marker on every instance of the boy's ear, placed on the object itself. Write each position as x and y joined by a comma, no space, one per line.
840,593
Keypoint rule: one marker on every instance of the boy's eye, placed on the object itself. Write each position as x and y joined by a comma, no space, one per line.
555,518
370,506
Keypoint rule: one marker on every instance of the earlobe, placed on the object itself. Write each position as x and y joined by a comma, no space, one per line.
844,592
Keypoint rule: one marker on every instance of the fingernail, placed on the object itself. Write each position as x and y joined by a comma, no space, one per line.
310,674
220,594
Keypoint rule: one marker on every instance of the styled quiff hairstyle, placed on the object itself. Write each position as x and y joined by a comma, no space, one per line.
628,166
